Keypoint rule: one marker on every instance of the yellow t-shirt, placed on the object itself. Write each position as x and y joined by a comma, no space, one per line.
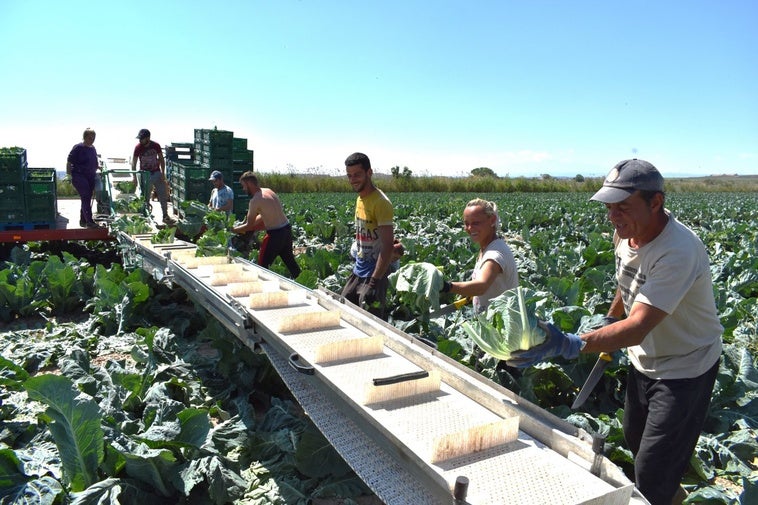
371,212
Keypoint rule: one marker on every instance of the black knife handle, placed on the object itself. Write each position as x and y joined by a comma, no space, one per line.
403,377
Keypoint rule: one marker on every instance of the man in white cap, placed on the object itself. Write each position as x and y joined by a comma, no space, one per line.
222,196
664,314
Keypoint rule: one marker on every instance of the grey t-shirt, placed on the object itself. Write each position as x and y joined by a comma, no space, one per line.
672,273
499,252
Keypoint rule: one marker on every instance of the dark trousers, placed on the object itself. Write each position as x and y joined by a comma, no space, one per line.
85,186
356,287
662,423
157,181
279,243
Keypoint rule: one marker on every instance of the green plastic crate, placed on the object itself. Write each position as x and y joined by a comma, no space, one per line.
206,152
240,205
190,172
41,210
12,158
12,165
174,177
197,186
41,196
192,192
184,152
240,167
243,156
15,216
239,144
40,181
218,138
226,167
198,196
11,197
12,200
237,188
214,137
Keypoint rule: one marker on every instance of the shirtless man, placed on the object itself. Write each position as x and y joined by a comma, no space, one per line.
266,213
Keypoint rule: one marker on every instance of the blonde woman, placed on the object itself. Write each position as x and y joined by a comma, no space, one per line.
495,270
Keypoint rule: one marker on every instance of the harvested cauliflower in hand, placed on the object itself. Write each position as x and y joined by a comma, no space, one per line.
509,324
419,285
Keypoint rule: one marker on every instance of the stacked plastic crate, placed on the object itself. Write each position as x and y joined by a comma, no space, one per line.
181,151
28,196
242,161
189,166
180,164
212,150
41,197
12,175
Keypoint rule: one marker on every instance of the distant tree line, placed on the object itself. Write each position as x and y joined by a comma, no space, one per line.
480,180
403,181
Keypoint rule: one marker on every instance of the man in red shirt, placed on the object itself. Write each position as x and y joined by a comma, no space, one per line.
151,160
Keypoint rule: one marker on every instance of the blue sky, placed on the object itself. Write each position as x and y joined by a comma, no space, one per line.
442,87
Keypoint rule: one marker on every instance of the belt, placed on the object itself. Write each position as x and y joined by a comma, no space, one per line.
280,227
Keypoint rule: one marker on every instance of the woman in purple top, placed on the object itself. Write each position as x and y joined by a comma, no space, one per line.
82,166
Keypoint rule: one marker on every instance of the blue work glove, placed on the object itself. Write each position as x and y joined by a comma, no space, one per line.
557,343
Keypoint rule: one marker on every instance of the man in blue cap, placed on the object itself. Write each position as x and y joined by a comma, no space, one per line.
664,314
222,196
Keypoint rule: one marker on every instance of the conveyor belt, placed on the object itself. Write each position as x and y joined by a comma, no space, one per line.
416,426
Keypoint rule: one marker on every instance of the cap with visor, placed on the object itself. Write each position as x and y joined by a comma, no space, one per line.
627,177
